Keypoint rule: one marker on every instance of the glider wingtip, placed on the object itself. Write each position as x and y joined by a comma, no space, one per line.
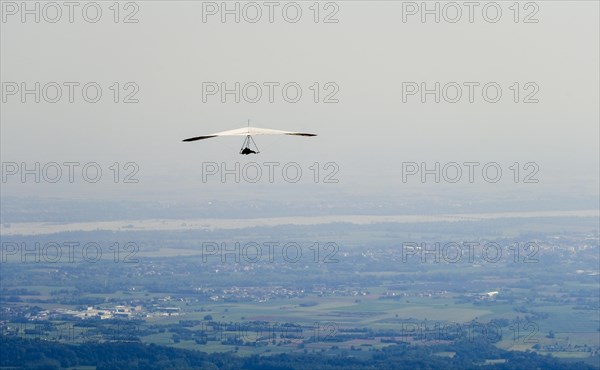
301,134
198,138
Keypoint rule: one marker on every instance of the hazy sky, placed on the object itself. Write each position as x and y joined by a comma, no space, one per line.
366,56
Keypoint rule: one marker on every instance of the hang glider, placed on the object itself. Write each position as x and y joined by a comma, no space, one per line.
248,132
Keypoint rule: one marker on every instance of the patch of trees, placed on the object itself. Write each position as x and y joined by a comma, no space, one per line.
39,354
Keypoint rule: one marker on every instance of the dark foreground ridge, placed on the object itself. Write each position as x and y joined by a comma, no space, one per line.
39,354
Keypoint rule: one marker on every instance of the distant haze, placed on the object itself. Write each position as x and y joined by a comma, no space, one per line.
368,54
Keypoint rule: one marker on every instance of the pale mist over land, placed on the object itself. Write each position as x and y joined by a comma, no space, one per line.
368,133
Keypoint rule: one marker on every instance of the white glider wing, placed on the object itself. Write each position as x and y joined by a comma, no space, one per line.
244,131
